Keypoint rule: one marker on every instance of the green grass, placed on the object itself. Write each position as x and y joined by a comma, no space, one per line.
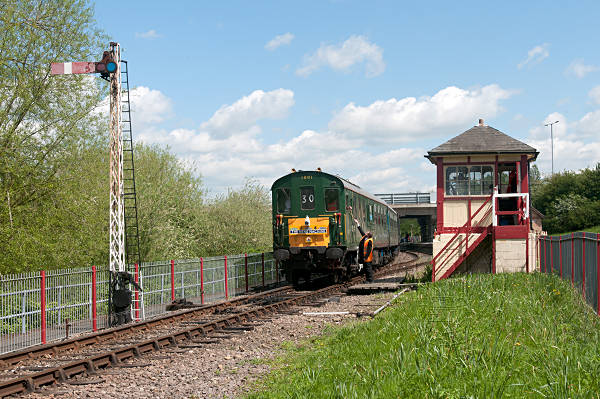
593,229
484,336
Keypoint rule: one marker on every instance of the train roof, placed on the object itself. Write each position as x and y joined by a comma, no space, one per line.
346,183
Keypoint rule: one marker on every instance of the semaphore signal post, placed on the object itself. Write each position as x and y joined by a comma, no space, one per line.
109,69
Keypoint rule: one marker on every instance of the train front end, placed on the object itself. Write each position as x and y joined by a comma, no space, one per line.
308,224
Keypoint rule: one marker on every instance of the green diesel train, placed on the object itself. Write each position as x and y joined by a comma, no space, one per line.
314,230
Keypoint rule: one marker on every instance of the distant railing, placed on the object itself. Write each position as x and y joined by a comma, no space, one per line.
406,198
39,307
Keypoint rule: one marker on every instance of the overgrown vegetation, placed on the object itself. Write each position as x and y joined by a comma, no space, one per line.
569,200
54,159
482,336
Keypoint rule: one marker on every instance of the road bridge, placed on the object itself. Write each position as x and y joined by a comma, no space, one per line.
415,206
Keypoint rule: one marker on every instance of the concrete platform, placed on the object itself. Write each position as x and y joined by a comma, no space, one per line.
379,285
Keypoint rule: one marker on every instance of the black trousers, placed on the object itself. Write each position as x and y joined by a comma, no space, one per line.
368,271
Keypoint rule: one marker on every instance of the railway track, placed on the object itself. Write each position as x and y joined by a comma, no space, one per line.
27,370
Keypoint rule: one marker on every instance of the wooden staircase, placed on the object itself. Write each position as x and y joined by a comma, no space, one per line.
463,242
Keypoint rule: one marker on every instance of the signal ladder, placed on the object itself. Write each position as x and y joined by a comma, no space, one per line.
132,234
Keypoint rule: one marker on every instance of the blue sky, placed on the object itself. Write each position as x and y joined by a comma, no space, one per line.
360,89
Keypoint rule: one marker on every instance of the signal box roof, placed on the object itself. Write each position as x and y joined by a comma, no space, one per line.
482,139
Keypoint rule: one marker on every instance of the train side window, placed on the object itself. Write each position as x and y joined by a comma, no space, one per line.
307,198
371,213
284,202
332,201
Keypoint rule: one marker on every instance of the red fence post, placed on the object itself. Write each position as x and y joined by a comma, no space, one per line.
540,250
94,301
226,289
572,258
583,265
172,280
263,269
202,281
598,272
43,304
551,257
137,293
560,255
246,269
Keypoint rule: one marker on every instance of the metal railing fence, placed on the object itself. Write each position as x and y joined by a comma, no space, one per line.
575,257
38,307
405,198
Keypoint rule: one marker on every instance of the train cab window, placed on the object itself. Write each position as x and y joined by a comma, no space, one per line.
284,202
332,201
307,198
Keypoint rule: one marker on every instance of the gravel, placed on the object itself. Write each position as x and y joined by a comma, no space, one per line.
223,369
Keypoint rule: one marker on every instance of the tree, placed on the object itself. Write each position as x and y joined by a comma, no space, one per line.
237,222
570,200
41,116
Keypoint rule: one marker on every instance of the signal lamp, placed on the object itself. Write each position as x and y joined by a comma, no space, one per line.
107,65
111,66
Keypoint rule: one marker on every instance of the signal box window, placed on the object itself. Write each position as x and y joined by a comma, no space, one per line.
481,180
332,202
307,198
457,180
465,180
284,202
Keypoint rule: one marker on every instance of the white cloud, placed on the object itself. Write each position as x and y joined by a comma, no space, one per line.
570,153
355,50
151,34
595,94
245,112
229,147
589,125
535,55
576,144
578,69
410,119
279,40
149,106
541,131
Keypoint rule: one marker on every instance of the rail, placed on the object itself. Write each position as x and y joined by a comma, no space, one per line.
405,198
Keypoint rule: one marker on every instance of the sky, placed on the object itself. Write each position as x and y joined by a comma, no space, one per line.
248,90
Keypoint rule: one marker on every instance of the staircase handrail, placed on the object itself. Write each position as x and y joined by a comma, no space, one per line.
466,225
467,244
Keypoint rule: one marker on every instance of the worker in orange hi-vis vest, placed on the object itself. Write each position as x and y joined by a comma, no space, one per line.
365,251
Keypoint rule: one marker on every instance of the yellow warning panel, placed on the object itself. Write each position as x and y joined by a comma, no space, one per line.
315,234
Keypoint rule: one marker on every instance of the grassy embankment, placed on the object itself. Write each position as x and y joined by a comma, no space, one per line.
484,336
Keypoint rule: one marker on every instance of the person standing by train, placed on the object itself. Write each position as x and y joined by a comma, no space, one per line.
365,251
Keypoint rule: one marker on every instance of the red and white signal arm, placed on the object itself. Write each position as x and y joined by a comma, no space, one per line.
68,68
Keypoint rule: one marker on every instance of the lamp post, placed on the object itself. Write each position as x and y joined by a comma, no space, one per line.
552,143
